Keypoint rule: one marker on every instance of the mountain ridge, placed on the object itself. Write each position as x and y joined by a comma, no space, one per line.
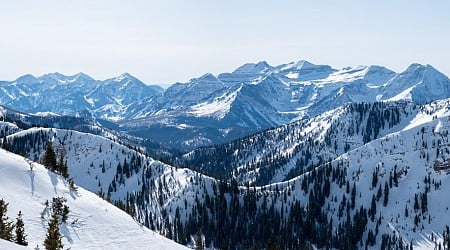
406,159
221,108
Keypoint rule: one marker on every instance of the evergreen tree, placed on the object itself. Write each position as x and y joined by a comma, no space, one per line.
416,203
62,168
49,159
20,231
395,178
6,226
386,194
424,203
373,208
5,143
379,192
353,195
60,208
199,241
53,239
65,213
374,179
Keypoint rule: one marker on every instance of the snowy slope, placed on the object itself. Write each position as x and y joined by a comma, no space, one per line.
92,224
412,155
287,151
10,246
410,146
119,173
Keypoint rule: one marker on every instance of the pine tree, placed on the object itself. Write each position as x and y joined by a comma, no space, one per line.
373,208
53,239
20,231
49,159
199,241
379,192
5,143
395,178
374,179
60,208
62,168
353,195
6,226
424,203
65,213
386,194
416,203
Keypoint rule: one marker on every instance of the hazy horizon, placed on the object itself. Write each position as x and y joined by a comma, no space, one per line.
167,42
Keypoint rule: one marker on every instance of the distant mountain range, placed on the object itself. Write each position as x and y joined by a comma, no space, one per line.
213,109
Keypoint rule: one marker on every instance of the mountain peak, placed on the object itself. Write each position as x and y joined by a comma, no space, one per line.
259,67
54,75
83,76
26,78
125,76
206,79
207,76
61,78
303,64
425,69
415,66
378,74
263,64
418,66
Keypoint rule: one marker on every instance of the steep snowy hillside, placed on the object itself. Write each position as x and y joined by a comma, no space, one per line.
149,190
92,222
395,185
381,194
289,150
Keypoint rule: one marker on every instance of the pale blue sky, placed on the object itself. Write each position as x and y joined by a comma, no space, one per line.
162,42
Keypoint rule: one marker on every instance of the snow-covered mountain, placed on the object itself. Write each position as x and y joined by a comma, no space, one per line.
362,174
92,222
259,96
287,151
394,155
69,95
213,109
